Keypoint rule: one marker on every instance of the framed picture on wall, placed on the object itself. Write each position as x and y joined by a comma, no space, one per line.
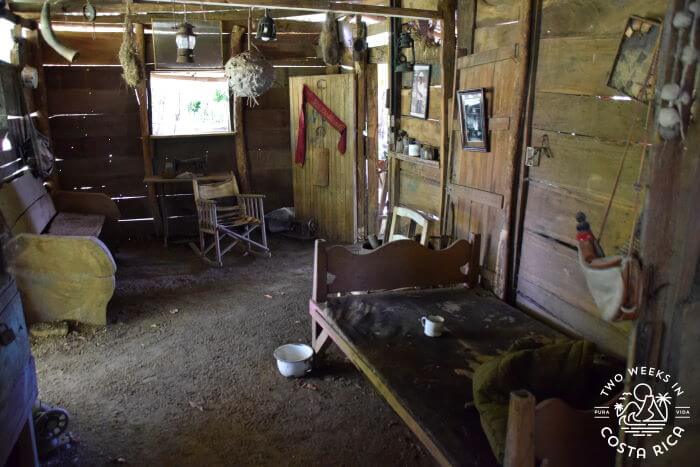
419,91
472,116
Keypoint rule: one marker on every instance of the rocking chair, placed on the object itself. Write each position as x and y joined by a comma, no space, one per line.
226,214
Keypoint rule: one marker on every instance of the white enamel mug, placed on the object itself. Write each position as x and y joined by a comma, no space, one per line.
433,325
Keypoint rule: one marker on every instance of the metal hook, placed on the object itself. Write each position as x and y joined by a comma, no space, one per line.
321,84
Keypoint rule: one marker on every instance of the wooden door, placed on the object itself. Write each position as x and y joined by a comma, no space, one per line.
324,187
574,113
479,184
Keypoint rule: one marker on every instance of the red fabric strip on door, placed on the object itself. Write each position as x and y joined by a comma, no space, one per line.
309,96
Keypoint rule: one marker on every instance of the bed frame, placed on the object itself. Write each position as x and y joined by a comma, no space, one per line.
428,381
395,265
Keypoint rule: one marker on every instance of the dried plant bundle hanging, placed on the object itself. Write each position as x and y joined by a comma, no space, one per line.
328,41
249,75
129,59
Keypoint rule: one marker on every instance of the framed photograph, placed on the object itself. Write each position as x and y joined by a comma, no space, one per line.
472,116
632,72
419,91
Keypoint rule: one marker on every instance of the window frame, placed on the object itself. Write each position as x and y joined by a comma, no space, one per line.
231,107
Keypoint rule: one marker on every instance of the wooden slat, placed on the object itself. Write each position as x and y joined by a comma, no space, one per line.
555,268
589,116
599,17
417,192
424,131
491,37
112,126
576,65
587,166
551,211
78,101
496,12
475,195
551,309
507,52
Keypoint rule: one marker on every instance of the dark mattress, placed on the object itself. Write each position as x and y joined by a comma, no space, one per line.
431,376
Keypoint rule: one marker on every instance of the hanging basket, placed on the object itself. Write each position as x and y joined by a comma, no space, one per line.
249,75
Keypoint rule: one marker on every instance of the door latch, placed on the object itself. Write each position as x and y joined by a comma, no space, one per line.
534,153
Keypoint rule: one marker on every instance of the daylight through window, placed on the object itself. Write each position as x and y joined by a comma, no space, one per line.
190,103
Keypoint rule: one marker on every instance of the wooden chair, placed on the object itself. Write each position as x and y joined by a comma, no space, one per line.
415,220
554,434
225,213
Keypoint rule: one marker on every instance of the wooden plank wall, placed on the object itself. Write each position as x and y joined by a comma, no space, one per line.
96,136
415,185
587,131
94,115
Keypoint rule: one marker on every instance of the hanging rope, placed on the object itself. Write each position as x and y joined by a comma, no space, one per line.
620,168
250,26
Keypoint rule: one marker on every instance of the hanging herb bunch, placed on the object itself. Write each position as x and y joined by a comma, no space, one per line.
132,66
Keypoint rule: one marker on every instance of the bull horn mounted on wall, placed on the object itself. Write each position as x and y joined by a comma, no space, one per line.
45,24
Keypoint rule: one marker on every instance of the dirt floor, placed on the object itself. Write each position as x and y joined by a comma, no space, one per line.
184,373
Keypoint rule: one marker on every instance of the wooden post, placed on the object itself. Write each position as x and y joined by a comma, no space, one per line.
144,122
466,19
320,288
361,170
240,144
520,435
509,179
372,150
447,62
666,331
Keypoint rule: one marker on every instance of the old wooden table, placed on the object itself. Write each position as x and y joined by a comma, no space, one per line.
160,183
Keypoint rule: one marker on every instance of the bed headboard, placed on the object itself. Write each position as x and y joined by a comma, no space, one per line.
403,263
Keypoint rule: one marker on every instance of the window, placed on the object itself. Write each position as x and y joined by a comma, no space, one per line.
6,40
190,103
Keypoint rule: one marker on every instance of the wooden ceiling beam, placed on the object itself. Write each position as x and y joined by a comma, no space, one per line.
283,25
300,7
322,6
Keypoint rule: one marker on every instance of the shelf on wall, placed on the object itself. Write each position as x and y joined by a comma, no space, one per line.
201,135
414,159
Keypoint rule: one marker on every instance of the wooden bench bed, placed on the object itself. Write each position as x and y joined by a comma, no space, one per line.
427,381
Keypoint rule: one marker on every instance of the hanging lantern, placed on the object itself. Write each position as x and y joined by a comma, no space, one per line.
266,29
402,63
185,40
